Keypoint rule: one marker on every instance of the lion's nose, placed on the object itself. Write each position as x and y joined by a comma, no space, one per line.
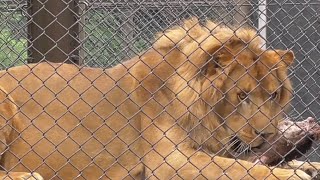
264,135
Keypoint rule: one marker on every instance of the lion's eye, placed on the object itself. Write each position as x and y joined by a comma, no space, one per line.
274,95
242,96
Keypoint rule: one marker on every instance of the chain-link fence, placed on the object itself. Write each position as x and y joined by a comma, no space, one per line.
159,89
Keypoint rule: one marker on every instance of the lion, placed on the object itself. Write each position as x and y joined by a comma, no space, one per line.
190,107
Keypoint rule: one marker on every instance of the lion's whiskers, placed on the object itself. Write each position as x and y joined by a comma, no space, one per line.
234,141
239,149
242,148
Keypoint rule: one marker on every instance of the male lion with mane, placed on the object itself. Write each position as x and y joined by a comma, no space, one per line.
184,109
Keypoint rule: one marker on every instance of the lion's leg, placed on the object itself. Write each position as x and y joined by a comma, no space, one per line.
8,112
19,176
185,165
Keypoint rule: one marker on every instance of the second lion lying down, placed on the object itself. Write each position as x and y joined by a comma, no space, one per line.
184,109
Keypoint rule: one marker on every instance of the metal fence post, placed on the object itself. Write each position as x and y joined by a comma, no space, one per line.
53,31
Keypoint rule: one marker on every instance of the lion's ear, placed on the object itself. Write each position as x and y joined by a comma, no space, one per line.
221,56
213,53
218,61
287,56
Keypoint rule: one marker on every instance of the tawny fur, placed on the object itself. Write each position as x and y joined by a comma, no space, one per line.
168,113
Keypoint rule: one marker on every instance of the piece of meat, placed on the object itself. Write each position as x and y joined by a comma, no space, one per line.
294,140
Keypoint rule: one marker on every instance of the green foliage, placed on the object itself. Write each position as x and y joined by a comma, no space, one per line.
13,48
107,44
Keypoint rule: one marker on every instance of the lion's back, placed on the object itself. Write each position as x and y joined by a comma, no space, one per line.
81,112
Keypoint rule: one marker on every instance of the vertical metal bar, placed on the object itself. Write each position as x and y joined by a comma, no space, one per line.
82,33
53,31
262,21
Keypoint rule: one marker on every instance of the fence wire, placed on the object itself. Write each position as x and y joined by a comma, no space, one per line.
124,106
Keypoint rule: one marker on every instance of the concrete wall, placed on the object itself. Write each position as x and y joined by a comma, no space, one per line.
295,25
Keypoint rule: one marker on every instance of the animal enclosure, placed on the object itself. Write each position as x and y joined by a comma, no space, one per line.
107,34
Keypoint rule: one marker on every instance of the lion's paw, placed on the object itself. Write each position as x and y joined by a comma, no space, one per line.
311,168
30,176
290,174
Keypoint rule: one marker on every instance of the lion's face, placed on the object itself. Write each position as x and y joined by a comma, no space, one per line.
230,92
253,97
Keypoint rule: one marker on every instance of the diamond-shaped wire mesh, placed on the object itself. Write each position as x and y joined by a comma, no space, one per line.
130,108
